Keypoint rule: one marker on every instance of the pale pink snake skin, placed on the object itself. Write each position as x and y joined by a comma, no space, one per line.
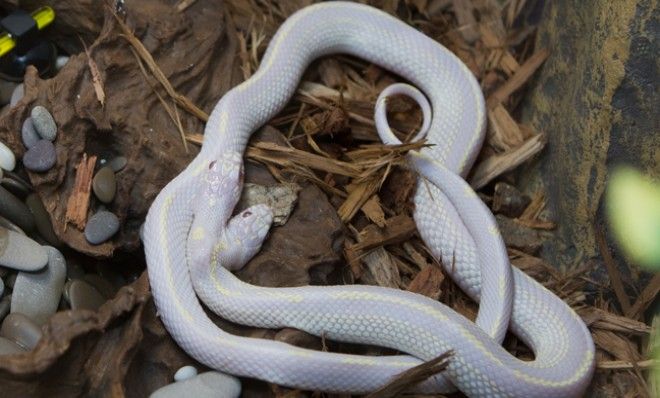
190,238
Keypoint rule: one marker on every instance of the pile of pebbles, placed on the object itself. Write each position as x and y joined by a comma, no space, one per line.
35,278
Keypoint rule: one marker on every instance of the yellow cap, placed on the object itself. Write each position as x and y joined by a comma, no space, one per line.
43,16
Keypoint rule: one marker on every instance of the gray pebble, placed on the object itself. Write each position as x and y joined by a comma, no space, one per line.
15,211
100,227
37,294
205,385
42,219
6,90
17,95
7,158
10,226
21,330
5,306
74,270
104,184
118,163
8,347
185,373
83,296
41,157
20,252
29,134
16,185
44,123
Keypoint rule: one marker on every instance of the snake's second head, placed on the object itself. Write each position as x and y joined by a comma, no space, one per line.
244,235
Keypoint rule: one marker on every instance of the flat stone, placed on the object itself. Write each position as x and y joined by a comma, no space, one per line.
17,95
15,211
83,296
20,252
206,385
104,184
29,134
37,294
10,226
8,347
16,185
508,200
21,330
118,163
7,158
42,219
41,157
6,90
44,123
100,227
185,373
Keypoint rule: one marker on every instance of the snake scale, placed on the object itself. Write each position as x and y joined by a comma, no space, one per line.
192,242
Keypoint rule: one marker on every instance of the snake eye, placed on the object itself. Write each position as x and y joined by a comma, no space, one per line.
211,164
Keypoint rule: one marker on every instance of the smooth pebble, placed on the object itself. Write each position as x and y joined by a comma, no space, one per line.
15,211
44,123
118,163
16,185
83,296
17,95
6,90
205,385
21,330
104,184
100,227
7,158
60,61
185,373
8,347
41,157
37,294
10,226
5,306
29,134
20,252
42,219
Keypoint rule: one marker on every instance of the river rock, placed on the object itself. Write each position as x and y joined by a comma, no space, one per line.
10,226
41,157
21,330
101,226
206,385
37,294
104,184
28,134
15,211
20,252
508,200
42,219
185,373
8,347
118,163
60,61
7,158
83,296
280,198
17,95
14,184
44,123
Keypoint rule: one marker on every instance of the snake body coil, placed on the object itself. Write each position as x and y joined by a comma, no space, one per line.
450,218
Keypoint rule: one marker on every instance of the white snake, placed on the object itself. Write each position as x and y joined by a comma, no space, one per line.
190,237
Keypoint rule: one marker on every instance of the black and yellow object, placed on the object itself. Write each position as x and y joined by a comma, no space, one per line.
21,43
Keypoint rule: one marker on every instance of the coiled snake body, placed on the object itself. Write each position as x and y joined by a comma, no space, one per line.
191,239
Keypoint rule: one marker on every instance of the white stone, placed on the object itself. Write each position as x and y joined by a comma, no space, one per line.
206,385
20,252
7,158
186,372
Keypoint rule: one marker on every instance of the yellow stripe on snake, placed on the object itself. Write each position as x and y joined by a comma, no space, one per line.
191,238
